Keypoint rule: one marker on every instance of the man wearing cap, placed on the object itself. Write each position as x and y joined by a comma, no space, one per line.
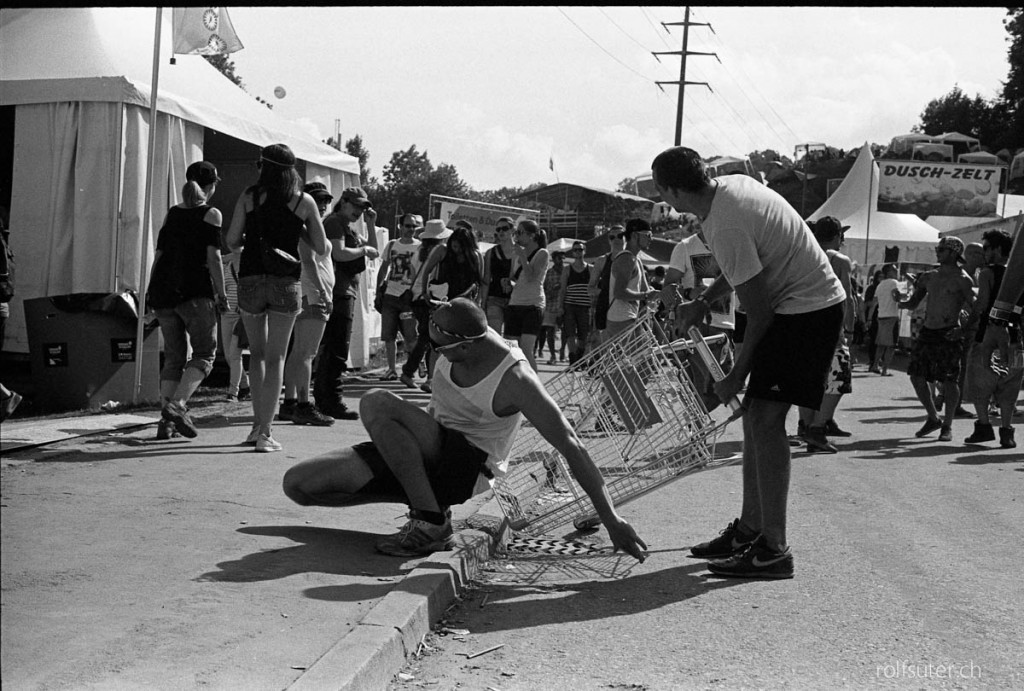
349,253
394,290
317,282
817,425
935,354
483,387
628,287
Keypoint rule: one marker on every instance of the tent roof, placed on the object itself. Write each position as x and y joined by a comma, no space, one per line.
1007,206
569,197
106,54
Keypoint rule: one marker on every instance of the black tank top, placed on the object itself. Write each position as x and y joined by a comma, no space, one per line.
279,226
998,271
501,267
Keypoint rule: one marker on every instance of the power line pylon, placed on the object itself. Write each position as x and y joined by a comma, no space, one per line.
682,83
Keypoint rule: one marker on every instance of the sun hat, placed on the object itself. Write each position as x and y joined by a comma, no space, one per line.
435,229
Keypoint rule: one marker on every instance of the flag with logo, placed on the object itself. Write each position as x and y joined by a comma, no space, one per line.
551,163
204,31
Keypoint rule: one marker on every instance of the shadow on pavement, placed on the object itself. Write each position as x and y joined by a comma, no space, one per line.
521,606
979,457
322,550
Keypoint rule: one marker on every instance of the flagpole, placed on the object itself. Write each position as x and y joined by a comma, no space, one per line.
144,224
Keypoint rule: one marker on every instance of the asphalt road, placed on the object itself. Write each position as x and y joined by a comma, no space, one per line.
907,576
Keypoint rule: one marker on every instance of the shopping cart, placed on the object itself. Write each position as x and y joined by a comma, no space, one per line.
633,403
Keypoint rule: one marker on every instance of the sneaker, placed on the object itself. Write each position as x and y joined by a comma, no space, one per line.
731,541
983,432
340,411
946,434
426,388
178,414
1006,439
757,561
231,398
391,375
165,430
8,405
832,430
817,441
306,414
254,435
407,380
266,444
963,413
418,538
930,425
245,394
286,412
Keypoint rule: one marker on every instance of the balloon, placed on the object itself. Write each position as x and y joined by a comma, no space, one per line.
280,92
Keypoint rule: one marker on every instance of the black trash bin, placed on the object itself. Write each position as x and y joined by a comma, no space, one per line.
82,350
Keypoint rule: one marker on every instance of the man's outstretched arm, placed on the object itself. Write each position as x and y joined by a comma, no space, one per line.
525,392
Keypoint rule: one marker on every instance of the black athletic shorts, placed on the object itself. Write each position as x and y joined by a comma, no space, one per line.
453,476
792,362
522,320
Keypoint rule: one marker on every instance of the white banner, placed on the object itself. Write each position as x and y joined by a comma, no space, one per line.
483,217
937,189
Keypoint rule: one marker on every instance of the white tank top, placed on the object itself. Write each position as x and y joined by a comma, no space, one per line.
627,310
470,410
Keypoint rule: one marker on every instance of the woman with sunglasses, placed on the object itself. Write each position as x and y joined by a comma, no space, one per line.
497,283
270,219
526,305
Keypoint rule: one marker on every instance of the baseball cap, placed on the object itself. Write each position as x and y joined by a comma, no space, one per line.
827,227
356,196
318,191
202,173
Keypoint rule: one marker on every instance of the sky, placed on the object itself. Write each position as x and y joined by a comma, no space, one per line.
498,92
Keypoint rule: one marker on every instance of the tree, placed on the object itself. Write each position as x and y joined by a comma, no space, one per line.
226,66
354,147
409,179
1013,88
626,186
956,112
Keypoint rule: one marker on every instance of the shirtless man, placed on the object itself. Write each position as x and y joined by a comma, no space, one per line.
935,355
483,387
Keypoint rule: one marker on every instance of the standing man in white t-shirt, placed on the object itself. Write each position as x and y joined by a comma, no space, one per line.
394,291
887,297
794,306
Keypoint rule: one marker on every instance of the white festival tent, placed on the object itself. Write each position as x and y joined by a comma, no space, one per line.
855,204
78,81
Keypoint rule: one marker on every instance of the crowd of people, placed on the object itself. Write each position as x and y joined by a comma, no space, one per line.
474,324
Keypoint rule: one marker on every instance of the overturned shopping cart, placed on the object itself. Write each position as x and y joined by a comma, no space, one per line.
644,423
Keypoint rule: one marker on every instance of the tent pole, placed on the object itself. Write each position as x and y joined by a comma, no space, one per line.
144,222
871,194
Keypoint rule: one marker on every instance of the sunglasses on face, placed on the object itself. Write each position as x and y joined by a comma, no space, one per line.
616,236
463,339
410,227
503,229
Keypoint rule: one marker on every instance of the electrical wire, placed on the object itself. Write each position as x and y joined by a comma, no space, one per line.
580,29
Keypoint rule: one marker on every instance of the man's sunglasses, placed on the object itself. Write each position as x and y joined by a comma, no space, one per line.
451,334
410,227
503,229
616,236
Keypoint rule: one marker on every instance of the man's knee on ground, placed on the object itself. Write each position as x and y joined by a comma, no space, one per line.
294,486
375,404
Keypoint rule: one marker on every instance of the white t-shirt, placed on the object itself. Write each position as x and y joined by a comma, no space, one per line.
752,229
888,308
402,259
694,261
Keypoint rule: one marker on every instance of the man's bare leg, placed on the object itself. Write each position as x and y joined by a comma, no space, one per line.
765,433
924,394
330,479
750,515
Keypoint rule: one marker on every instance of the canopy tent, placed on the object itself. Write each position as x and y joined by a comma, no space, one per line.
855,203
1007,206
903,144
962,143
78,83
983,157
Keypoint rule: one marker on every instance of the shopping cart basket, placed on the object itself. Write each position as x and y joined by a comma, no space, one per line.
643,422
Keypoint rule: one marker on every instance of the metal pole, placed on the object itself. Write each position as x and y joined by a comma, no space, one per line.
682,77
871,195
144,222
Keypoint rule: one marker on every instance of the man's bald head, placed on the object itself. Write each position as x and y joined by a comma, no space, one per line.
459,320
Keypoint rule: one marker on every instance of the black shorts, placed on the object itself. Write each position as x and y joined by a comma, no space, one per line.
453,476
792,362
739,329
522,320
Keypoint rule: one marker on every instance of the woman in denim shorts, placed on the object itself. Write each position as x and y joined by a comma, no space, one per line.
187,279
269,220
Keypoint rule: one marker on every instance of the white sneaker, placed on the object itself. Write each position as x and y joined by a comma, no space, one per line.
254,435
267,444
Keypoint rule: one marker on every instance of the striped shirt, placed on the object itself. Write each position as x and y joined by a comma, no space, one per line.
576,292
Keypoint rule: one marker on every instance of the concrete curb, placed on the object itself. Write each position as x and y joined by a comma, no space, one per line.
370,655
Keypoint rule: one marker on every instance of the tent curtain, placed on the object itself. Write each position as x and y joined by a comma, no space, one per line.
178,144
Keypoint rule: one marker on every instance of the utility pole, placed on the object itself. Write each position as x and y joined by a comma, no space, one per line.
682,83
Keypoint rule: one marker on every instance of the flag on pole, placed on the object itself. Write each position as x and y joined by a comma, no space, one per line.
551,163
204,31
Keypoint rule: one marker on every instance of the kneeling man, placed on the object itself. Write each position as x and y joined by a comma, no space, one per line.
456,448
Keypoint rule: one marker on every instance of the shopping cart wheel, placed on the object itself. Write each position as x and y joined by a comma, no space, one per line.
586,522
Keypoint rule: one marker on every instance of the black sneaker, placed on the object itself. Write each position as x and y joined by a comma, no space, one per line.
178,414
733,540
165,430
286,413
245,394
757,561
983,432
832,430
305,413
